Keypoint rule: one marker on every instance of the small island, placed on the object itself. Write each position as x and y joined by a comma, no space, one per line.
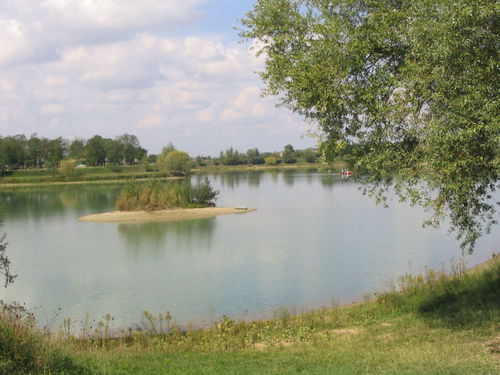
155,200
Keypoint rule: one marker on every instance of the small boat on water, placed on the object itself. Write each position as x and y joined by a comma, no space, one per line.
345,173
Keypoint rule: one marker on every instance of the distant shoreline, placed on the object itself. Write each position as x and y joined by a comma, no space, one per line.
110,178
162,215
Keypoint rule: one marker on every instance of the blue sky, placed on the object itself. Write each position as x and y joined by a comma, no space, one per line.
164,70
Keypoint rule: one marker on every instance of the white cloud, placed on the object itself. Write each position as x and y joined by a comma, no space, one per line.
6,85
56,80
15,43
101,67
52,109
153,120
122,14
248,102
33,30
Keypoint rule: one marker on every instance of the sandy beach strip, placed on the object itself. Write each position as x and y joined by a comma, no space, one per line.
162,215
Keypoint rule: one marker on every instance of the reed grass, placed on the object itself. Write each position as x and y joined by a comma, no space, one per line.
160,195
24,349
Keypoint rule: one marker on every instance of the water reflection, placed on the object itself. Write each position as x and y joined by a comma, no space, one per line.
157,238
229,180
289,177
40,202
254,178
329,180
235,179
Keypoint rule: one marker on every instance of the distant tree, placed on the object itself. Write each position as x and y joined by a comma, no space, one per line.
76,149
232,157
152,158
289,156
254,156
4,260
131,148
167,149
175,163
114,151
310,156
34,152
160,160
55,151
13,151
95,151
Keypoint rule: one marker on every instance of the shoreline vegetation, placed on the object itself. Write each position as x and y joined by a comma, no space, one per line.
120,174
435,322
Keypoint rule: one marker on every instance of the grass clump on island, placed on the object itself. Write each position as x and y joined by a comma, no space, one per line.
434,323
154,195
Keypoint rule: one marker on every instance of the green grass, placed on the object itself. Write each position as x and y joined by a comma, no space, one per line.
430,324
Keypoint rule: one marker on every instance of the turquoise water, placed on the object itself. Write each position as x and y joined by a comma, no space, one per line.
314,239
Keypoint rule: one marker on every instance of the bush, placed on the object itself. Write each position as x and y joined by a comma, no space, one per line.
68,167
204,194
271,160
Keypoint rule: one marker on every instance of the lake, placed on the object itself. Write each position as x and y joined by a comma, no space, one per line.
314,239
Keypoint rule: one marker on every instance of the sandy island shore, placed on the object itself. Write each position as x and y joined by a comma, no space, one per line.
163,215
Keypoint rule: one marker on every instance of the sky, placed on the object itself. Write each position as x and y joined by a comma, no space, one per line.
164,70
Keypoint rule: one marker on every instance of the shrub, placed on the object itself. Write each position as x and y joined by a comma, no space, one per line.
204,194
67,167
271,160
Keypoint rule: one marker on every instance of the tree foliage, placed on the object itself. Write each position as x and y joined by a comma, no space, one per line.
4,261
175,163
18,152
410,87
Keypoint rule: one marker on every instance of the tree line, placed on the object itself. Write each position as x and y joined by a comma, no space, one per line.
254,157
18,151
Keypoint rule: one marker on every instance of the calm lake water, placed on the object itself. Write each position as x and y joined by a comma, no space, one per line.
315,238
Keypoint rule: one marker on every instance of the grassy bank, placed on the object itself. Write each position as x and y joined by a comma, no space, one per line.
90,175
123,173
430,324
